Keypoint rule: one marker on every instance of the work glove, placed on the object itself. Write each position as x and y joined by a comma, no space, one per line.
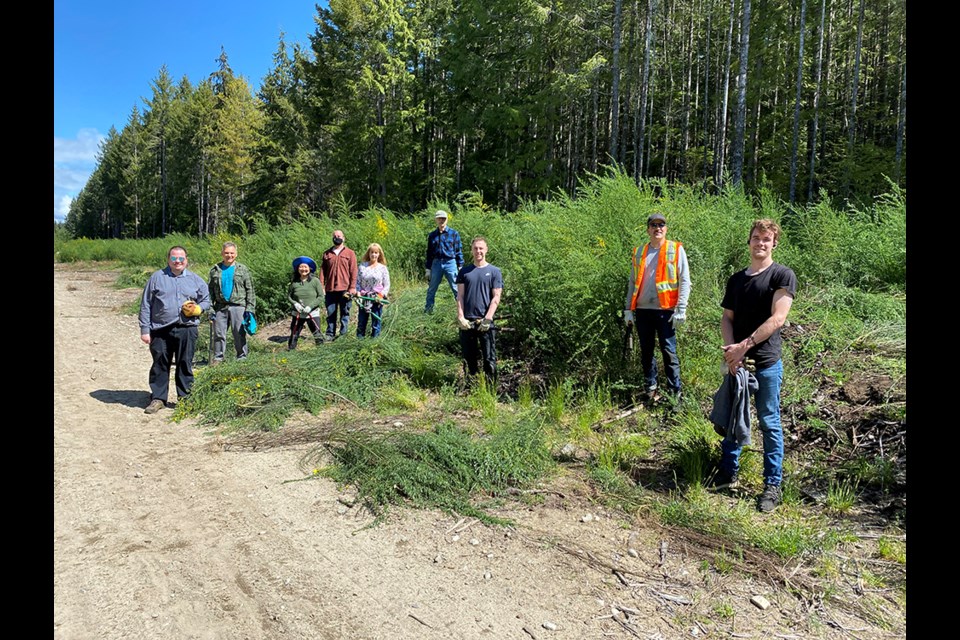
464,324
426,272
191,309
485,325
306,310
679,317
628,317
299,307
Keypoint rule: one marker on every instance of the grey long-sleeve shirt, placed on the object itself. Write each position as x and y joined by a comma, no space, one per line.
165,293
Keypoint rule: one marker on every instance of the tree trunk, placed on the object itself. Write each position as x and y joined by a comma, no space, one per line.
816,104
796,106
721,152
615,83
740,122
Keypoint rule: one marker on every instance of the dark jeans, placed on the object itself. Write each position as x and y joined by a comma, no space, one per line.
477,345
363,314
336,303
655,324
296,326
176,340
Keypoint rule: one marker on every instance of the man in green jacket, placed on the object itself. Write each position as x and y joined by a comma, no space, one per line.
231,292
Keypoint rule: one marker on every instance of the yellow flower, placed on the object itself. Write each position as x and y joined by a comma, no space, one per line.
382,229
603,245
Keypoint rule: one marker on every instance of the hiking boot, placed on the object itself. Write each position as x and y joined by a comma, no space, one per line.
154,406
724,480
770,498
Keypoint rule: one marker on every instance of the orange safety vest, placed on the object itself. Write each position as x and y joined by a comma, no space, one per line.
667,276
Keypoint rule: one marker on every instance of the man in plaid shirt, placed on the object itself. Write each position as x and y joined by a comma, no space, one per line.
444,258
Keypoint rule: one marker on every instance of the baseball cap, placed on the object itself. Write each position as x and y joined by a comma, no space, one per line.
440,214
656,216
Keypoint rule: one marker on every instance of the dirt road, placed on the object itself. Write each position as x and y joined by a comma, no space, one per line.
160,533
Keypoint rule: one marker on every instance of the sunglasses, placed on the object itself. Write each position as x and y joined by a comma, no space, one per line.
177,259
657,225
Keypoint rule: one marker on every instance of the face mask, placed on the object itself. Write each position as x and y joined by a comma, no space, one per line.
337,240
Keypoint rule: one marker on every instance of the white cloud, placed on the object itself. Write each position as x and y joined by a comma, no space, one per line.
82,149
61,208
73,162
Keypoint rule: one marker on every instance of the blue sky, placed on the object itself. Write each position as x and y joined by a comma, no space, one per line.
106,53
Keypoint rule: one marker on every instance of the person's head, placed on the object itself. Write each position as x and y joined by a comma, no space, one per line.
479,249
338,237
229,253
768,225
303,267
177,259
440,217
374,254
656,227
764,236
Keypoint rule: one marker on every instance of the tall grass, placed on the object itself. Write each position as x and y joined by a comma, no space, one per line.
566,261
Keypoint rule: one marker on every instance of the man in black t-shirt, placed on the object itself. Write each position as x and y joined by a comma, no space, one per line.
755,306
478,295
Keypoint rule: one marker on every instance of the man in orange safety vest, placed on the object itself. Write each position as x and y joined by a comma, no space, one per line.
657,294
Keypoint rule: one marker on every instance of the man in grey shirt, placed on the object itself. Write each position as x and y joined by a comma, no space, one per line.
173,299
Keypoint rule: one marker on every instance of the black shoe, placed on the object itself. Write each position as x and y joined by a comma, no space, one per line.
724,480
770,498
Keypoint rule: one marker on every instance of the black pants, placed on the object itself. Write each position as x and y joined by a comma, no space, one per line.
477,345
179,340
296,326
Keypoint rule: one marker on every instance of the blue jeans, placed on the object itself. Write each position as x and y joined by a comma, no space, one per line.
336,303
768,413
363,314
653,324
439,270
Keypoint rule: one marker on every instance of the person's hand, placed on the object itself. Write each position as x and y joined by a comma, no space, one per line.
733,355
145,338
299,307
191,309
306,309
628,317
464,323
679,317
485,325
426,272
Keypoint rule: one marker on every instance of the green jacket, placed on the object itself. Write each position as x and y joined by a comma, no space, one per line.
242,288
309,293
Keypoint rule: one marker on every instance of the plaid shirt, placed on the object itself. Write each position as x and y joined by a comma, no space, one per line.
444,246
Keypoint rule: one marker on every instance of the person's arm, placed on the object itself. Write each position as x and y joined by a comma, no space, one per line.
203,294
458,249
494,303
145,310
630,287
683,269
213,281
429,262
354,272
251,301
461,291
386,281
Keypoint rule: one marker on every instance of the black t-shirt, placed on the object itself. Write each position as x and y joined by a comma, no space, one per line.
479,283
751,300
